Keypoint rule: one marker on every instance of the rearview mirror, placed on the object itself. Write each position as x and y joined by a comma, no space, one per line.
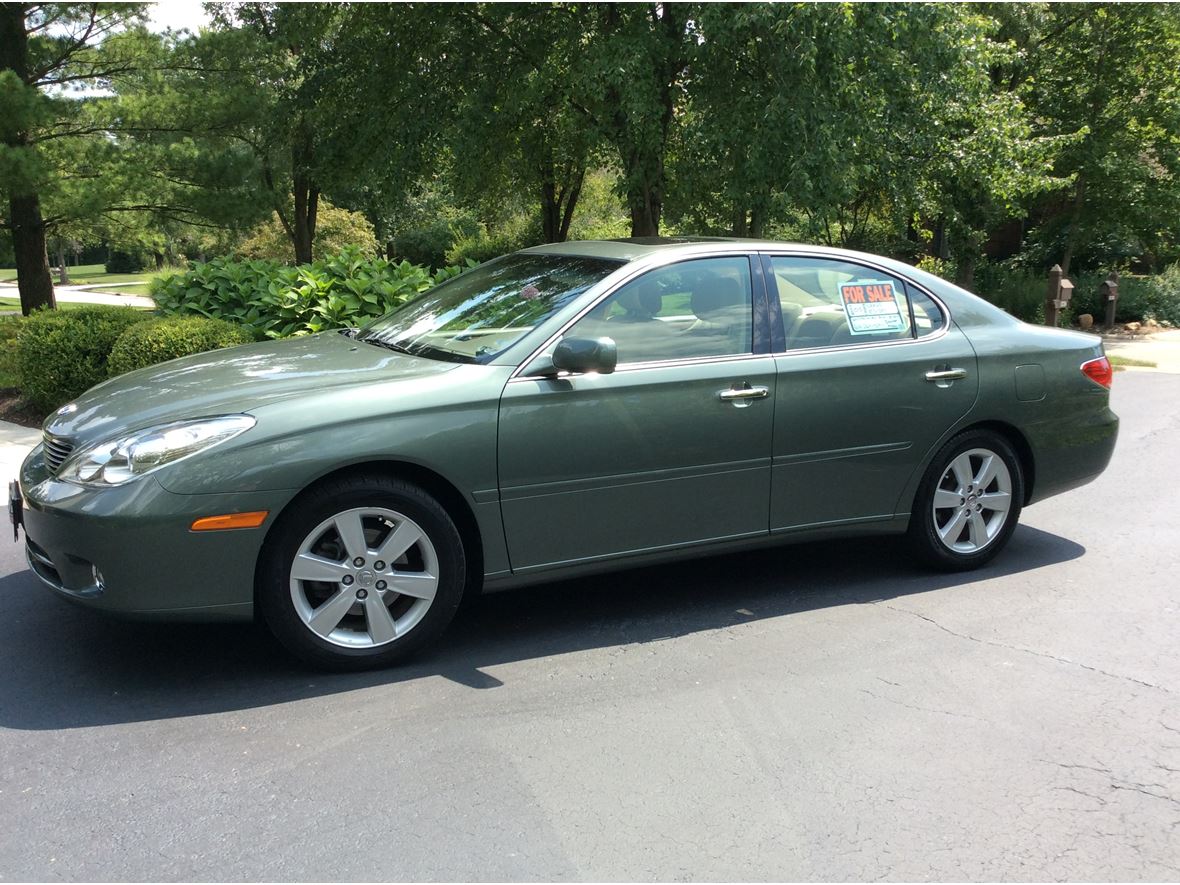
586,355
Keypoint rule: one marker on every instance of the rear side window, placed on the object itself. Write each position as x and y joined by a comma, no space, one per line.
830,303
928,317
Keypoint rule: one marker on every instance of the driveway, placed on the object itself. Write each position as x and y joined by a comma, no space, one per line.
817,712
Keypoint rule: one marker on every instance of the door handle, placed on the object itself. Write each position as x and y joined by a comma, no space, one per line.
946,375
741,393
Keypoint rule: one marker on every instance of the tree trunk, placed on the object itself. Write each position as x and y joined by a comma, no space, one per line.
24,207
32,261
1071,236
557,206
738,226
307,200
549,209
757,221
966,273
646,204
306,193
63,273
573,190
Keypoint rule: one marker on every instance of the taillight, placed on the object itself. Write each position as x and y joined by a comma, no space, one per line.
1099,371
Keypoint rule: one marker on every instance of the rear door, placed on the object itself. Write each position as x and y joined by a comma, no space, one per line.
872,374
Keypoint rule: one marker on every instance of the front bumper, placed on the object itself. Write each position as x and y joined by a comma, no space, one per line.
129,550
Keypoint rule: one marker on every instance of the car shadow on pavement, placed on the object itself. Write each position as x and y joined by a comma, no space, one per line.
66,667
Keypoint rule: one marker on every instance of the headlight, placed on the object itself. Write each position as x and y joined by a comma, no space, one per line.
117,461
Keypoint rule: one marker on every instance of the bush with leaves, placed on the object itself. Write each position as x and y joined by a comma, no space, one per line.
275,301
124,262
336,229
61,354
167,338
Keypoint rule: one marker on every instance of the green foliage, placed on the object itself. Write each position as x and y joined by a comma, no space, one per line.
481,245
167,338
1164,289
9,363
271,300
124,262
1015,289
62,354
429,244
336,230
1140,297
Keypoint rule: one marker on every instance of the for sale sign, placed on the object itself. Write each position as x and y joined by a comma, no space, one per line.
872,307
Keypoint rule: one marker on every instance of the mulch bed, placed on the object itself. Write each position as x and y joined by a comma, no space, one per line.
17,411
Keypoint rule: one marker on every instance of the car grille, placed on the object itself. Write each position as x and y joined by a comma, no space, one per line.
56,451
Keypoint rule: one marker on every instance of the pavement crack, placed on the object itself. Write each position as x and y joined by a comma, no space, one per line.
890,700
1030,651
1143,788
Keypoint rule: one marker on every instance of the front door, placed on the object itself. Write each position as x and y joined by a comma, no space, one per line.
671,450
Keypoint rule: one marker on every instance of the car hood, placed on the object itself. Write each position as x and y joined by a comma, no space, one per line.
234,380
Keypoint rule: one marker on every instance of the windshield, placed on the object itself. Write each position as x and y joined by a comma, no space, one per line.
482,312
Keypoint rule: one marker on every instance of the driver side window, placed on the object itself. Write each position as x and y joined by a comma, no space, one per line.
699,308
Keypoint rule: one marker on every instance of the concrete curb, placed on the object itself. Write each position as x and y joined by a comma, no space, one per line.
1161,348
15,444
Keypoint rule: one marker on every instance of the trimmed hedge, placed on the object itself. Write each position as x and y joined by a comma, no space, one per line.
159,340
61,354
275,301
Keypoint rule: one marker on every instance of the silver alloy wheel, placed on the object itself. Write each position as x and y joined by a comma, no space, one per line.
364,577
972,500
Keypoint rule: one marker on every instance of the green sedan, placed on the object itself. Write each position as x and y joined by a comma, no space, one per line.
568,409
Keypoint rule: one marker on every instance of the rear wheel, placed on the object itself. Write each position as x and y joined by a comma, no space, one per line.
361,573
968,503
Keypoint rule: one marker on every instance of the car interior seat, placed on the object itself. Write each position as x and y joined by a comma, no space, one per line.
722,311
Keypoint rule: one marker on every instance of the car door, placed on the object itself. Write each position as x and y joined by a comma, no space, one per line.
671,449
873,373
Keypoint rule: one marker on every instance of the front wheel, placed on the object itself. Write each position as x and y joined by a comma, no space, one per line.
968,502
361,573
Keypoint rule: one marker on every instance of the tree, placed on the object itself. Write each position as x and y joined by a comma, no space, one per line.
1104,77
630,82
45,49
517,126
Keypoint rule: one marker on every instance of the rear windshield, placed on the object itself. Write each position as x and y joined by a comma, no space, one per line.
484,311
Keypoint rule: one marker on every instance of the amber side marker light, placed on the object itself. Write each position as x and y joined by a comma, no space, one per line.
251,520
1099,371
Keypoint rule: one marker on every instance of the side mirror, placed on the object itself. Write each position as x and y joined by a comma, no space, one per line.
586,355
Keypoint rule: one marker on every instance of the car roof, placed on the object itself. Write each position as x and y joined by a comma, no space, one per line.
634,248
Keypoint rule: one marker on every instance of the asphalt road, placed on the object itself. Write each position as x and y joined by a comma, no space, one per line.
816,712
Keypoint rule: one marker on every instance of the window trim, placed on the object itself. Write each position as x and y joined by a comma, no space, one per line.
776,303
644,268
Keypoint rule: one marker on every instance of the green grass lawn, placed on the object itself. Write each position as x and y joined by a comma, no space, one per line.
90,274
1120,362
7,303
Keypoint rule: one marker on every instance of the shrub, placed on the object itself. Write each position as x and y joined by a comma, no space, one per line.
9,331
159,340
336,229
1164,295
61,354
1018,290
482,245
275,301
124,262
428,245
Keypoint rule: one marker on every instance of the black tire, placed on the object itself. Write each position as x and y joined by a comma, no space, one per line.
277,593
924,535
